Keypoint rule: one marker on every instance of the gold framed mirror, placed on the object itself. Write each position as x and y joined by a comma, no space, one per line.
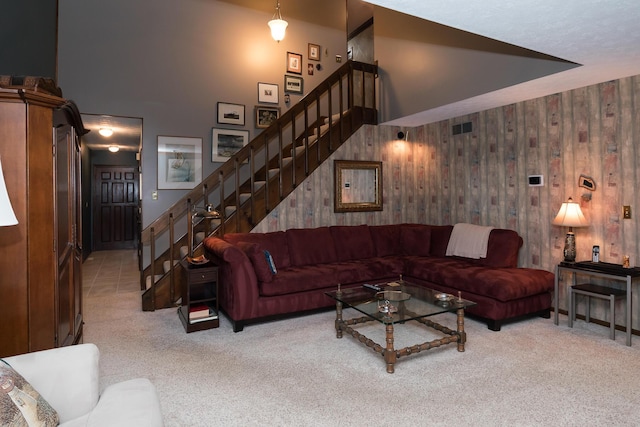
357,186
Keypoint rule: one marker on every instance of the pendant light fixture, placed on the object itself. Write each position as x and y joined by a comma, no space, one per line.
277,24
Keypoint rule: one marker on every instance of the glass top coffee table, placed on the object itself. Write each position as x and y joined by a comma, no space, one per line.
396,303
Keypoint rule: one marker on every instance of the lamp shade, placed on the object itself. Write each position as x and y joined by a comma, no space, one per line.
278,27
570,215
7,216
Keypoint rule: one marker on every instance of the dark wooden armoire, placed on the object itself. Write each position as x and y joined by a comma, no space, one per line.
41,256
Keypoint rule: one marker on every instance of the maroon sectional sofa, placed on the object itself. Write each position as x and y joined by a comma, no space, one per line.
309,262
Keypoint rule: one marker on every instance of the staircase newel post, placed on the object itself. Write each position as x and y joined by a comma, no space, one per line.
189,229
153,267
171,243
223,209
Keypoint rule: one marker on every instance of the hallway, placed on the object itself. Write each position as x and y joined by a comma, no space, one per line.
110,272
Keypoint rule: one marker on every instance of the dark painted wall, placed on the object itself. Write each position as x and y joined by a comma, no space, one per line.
28,38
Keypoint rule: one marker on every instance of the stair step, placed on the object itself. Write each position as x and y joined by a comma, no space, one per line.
229,210
167,264
244,197
184,251
199,237
148,280
273,172
258,185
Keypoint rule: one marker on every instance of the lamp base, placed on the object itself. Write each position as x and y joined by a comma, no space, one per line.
570,247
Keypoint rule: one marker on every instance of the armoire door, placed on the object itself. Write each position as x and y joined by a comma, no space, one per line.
115,207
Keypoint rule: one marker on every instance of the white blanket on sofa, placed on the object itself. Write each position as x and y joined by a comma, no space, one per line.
469,240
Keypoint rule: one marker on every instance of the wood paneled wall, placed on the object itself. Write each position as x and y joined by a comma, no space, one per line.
481,177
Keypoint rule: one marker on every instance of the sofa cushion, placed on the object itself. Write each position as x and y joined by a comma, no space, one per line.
386,239
502,284
300,279
415,239
16,389
371,270
258,260
440,235
502,249
275,242
352,242
308,246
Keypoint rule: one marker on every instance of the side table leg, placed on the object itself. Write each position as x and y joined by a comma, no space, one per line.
390,352
462,335
338,319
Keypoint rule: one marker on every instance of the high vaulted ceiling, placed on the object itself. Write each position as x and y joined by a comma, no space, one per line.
601,35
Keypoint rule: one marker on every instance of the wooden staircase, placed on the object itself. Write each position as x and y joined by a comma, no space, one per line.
258,177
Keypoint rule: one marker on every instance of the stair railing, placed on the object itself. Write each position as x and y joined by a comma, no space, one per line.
261,174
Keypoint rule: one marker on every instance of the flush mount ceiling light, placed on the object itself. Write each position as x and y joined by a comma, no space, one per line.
106,132
114,148
277,24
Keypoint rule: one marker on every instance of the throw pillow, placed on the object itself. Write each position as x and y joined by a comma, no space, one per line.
258,260
20,404
272,265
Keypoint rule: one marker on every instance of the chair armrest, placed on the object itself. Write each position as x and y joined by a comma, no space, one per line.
132,403
66,377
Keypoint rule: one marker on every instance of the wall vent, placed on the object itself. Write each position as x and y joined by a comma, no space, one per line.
461,128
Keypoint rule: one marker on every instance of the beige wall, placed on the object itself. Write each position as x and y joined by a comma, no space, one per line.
481,177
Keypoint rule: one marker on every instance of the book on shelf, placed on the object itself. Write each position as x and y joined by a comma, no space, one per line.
213,316
199,311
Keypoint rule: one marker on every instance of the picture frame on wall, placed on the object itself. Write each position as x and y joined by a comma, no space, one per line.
268,93
293,84
179,162
231,114
265,116
314,52
227,142
294,63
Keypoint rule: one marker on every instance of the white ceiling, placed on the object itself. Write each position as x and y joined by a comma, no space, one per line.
602,35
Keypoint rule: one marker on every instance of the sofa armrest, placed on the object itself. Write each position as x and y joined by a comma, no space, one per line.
132,403
66,377
237,281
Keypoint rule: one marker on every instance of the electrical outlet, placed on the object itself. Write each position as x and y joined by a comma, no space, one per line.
154,195
626,212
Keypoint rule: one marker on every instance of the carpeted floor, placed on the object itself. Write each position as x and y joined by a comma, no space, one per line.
295,372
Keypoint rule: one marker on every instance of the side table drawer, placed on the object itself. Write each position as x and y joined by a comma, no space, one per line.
203,275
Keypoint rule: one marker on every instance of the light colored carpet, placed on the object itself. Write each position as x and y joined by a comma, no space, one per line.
295,372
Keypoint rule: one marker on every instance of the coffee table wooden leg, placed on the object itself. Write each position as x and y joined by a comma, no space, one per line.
390,352
462,335
338,319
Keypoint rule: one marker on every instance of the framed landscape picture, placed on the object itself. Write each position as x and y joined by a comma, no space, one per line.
268,93
293,84
227,142
232,114
266,115
294,63
179,162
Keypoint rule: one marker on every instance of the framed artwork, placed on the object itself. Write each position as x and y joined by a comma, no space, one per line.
294,63
293,84
227,142
232,114
179,162
314,52
268,93
266,115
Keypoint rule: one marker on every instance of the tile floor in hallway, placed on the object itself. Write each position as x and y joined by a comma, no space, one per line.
109,272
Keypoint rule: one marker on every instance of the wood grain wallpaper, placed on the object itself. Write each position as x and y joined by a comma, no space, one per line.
481,176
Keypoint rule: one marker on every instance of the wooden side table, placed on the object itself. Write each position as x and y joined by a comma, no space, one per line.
199,310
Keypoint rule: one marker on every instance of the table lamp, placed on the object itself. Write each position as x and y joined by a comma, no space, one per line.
570,215
200,212
7,216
